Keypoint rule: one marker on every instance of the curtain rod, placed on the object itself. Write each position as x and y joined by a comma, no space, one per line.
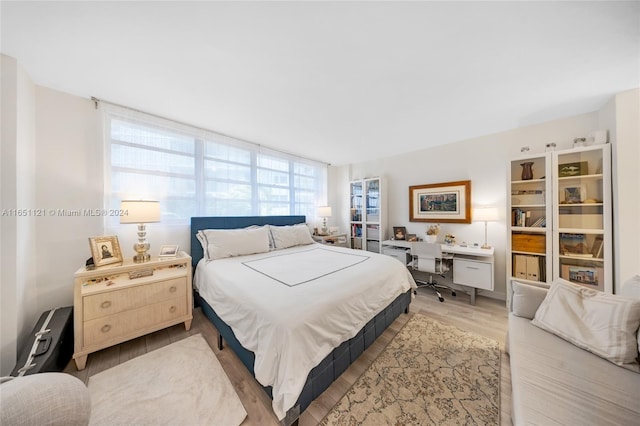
97,101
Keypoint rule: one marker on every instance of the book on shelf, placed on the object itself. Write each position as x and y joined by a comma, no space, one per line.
574,245
529,267
585,255
541,222
596,249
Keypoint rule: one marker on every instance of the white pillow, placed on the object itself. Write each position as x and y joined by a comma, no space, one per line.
526,299
272,245
222,243
603,324
290,235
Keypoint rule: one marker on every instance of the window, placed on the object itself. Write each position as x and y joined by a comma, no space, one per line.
193,172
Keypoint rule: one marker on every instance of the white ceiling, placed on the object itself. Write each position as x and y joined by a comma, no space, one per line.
339,82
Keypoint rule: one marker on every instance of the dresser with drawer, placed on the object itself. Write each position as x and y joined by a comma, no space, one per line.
113,304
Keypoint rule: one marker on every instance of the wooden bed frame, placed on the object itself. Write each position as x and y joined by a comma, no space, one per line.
336,362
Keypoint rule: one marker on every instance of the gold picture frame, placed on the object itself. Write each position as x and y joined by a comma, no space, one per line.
105,250
448,202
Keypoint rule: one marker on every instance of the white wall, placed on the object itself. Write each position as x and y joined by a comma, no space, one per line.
17,233
69,175
482,160
622,116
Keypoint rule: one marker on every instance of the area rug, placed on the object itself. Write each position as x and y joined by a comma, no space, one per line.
429,374
179,384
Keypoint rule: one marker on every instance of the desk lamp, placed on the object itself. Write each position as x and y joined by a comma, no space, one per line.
324,212
140,212
485,214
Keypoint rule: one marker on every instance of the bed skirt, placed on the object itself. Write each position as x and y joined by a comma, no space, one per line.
331,367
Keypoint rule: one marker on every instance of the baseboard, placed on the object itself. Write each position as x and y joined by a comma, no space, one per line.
493,295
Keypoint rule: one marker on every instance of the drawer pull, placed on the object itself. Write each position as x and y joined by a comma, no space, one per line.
172,289
172,309
472,267
105,328
105,304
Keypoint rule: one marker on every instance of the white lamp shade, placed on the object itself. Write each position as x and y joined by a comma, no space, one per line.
138,211
485,214
324,211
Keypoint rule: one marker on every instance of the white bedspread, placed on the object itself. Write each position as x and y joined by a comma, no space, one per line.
292,307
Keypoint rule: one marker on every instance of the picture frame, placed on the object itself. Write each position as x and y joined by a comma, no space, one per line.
411,237
575,194
170,250
577,168
588,276
105,250
448,202
399,233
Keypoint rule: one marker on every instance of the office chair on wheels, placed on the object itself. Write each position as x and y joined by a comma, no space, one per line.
428,257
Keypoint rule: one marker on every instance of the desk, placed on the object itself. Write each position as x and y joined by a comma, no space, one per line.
472,266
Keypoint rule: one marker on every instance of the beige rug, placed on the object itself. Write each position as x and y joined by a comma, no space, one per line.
179,384
430,374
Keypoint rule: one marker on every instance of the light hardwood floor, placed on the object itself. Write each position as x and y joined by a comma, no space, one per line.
488,318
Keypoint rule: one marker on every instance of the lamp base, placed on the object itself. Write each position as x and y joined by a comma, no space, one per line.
141,258
141,247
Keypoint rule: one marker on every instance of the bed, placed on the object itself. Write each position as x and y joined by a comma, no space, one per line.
254,299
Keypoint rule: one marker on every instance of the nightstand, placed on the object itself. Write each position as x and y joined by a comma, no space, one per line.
113,304
337,240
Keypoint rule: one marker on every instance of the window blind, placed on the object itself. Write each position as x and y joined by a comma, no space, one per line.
195,172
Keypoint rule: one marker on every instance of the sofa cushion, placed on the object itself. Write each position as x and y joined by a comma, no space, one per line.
557,383
44,398
526,299
604,324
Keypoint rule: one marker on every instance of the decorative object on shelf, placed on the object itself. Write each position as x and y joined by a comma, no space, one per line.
575,194
573,169
432,233
579,142
399,233
485,214
524,149
324,212
527,170
412,237
597,137
550,147
448,202
168,251
140,212
450,239
105,250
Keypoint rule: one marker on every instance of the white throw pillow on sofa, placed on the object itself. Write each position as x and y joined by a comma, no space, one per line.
526,299
603,324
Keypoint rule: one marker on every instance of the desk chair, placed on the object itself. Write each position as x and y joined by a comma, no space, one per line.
428,257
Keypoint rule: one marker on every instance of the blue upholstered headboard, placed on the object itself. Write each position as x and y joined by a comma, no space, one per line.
232,222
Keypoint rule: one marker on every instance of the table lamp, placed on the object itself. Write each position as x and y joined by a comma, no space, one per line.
324,212
485,214
140,212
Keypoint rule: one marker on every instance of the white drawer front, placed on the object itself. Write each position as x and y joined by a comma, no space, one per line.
473,274
110,303
135,321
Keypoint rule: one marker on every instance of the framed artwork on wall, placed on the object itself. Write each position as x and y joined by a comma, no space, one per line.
448,202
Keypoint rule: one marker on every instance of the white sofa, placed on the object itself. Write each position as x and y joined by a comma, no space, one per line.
53,399
555,382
